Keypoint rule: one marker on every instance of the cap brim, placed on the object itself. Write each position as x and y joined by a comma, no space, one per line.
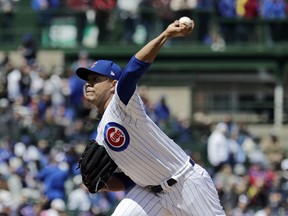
83,73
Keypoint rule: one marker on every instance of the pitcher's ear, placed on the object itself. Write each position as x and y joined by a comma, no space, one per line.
113,85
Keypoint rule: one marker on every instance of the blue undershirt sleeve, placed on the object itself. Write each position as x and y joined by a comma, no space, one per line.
129,78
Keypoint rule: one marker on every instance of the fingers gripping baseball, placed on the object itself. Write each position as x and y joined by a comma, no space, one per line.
180,29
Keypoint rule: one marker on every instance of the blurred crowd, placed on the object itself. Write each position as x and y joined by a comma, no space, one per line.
141,20
250,173
45,125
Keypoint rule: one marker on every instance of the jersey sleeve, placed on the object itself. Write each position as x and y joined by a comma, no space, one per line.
129,78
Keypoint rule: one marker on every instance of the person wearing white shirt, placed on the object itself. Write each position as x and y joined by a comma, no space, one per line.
218,147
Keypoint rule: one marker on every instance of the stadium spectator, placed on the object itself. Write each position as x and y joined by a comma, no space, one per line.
75,86
4,61
204,19
53,87
231,125
237,154
37,81
14,181
44,9
251,9
246,30
53,176
7,14
5,117
263,212
128,13
81,8
13,83
227,9
149,107
57,208
147,20
83,60
242,207
25,82
164,14
273,11
29,48
218,147
240,7
225,181
162,111
6,202
103,20
273,149
79,198
183,129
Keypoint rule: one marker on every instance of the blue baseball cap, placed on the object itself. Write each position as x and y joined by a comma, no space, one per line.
104,67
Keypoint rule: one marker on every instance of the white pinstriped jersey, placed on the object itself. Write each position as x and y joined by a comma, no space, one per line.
138,146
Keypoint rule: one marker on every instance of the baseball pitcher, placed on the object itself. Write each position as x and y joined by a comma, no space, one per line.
162,179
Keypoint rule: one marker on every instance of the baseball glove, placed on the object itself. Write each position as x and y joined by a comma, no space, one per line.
96,166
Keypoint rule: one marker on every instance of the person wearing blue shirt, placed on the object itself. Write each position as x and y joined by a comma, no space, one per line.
275,10
54,177
226,9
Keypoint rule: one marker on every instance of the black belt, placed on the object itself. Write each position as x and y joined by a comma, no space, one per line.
158,188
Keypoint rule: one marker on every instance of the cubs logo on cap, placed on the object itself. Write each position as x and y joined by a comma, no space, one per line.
116,136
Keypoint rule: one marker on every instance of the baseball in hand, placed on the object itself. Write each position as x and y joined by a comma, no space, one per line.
185,20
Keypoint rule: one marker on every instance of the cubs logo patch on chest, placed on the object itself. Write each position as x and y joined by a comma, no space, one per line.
116,136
